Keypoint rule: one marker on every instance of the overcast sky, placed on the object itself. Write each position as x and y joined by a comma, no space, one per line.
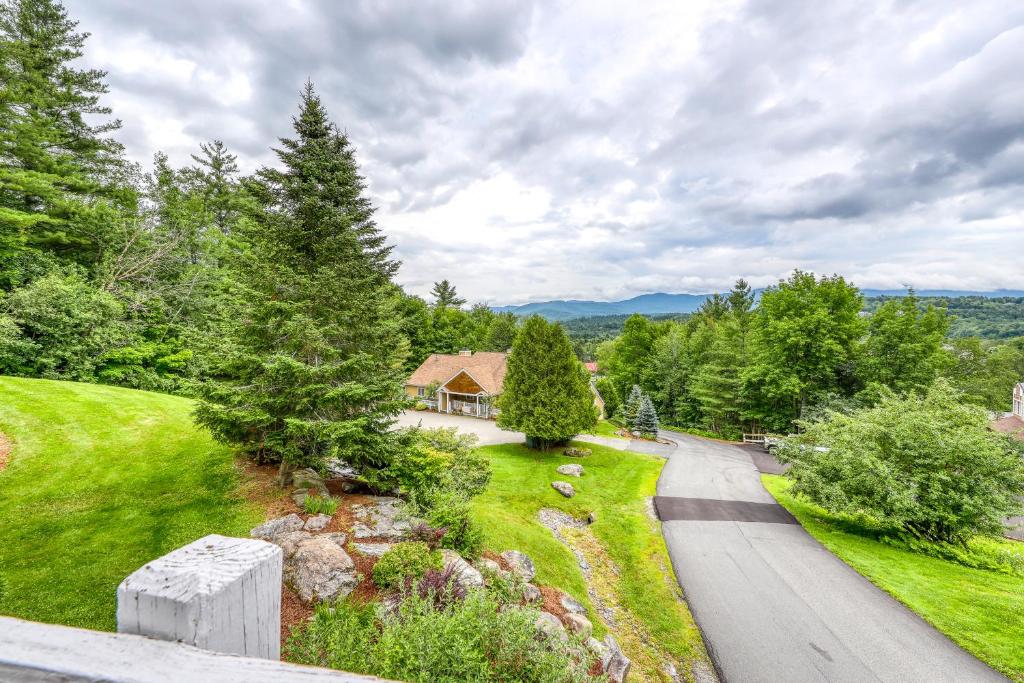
581,150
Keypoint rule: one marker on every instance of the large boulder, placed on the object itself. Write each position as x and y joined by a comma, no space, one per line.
572,469
290,540
383,518
614,662
548,624
317,523
564,487
319,570
341,471
520,563
465,574
271,528
310,480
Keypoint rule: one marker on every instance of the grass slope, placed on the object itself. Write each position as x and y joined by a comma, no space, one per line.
101,481
981,610
615,485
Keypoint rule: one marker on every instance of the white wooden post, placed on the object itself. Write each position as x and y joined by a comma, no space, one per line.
217,593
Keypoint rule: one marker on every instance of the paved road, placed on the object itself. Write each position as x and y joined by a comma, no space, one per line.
772,603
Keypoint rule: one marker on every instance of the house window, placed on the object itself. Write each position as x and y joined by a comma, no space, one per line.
421,391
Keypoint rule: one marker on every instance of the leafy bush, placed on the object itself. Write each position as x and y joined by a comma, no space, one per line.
435,460
451,511
927,464
411,558
441,587
474,639
506,587
320,505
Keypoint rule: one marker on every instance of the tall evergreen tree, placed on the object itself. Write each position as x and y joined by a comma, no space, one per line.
445,295
60,189
631,406
646,422
313,366
547,390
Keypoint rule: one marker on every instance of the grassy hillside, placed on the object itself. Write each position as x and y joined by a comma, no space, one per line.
100,481
624,546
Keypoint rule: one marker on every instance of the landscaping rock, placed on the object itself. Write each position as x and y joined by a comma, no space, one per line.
300,497
574,452
320,570
531,593
309,479
614,663
490,565
572,606
564,487
548,624
373,549
572,470
339,470
381,519
317,523
591,517
597,647
273,527
290,540
520,563
465,574
578,624
338,537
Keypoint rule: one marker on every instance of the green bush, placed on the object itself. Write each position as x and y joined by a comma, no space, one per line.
925,464
412,558
506,587
320,505
474,639
452,512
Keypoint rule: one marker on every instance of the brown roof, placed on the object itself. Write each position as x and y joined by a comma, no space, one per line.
1011,424
486,367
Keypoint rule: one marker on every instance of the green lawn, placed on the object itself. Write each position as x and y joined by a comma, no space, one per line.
101,481
615,485
606,428
981,610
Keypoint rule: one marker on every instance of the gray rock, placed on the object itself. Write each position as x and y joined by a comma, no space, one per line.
273,527
373,549
317,523
338,537
564,487
591,517
383,518
290,540
465,574
597,647
579,624
300,497
574,452
520,563
548,624
572,470
532,594
614,662
489,564
309,479
572,606
320,570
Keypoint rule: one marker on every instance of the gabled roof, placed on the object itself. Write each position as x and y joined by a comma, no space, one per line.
487,368
1011,424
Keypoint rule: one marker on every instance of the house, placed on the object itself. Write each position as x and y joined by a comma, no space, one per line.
466,383
591,367
1013,423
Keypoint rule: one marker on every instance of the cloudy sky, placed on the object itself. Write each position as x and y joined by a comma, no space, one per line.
583,150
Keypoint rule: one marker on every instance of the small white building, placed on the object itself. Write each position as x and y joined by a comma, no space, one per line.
1018,400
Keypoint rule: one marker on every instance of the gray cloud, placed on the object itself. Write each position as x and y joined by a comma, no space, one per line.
551,150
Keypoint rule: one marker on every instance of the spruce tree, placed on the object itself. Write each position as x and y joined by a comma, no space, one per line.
312,367
547,390
646,422
60,185
631,405
445,295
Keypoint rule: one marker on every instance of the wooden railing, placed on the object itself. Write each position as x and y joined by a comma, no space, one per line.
210,611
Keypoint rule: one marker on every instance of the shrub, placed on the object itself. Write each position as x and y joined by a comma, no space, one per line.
463,535
320,505
506,587
927,464
411,558
441,587
469,640
435,460
425,533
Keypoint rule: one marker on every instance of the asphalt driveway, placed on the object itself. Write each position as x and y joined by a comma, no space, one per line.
486,430
772,603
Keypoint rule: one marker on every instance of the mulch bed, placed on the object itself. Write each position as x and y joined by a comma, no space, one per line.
5,451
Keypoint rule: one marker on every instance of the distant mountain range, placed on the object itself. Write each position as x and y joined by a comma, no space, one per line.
667,304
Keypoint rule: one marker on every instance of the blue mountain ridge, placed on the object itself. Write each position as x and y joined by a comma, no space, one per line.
660,303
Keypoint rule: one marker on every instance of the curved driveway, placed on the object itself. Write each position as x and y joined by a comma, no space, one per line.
772,603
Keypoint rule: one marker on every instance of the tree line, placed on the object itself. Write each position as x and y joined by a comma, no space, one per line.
807,346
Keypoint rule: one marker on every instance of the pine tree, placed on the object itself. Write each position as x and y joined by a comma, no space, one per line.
646,422
312,367
547,390
445,295
631,406
60,189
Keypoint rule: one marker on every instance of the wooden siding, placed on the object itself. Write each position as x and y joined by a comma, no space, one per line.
462,383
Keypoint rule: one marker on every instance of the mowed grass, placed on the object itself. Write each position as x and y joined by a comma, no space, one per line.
981,610
101,481
606,428
615,485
